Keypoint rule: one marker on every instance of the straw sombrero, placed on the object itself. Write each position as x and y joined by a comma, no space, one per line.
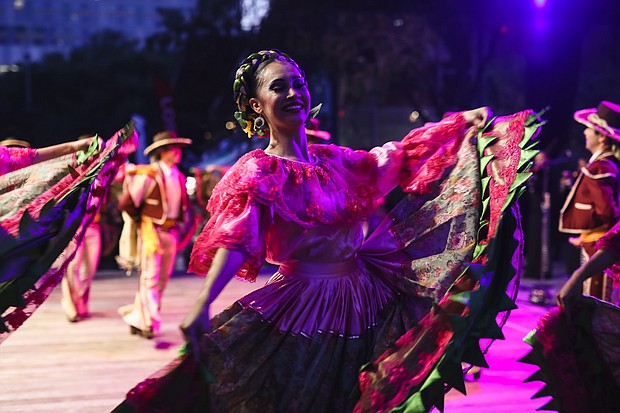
313,129
166,139
15,143
605,119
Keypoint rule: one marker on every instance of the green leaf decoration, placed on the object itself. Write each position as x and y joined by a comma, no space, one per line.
506,304
485,206
46,210
488,124
512,196
537,376
315,110
93,149
493,331
477,270
524,167
72,171
7,242
413,404
462,297
483,142
433,377
544,392
459,324
484,161
520,180
452,374
479,250
432,390
552,405
485,185
529,145
473,355
529,358
27,225
527,136
529,154
526,158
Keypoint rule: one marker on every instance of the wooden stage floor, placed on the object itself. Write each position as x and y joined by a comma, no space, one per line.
50,365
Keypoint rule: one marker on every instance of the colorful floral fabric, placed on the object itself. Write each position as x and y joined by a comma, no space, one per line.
44,210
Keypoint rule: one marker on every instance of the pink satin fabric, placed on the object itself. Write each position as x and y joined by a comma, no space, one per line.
335,298
15,158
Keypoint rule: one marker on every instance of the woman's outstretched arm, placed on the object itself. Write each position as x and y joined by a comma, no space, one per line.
50,152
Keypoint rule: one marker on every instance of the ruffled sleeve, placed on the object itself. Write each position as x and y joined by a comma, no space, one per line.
12,159
430,151
240,224
417,162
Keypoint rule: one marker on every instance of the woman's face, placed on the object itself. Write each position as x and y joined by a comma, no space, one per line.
282,96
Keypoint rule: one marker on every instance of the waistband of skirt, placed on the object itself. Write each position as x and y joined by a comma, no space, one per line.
319,269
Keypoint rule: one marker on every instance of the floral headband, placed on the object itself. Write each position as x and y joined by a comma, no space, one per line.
241,87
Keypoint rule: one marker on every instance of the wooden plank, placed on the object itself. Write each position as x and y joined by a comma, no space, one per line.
51,365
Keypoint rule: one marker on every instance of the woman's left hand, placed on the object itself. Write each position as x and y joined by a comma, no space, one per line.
478,117
196,322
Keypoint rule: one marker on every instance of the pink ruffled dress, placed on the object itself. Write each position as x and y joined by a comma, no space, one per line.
338,301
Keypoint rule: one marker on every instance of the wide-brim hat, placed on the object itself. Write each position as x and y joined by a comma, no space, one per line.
604,119
313,129
13,142
167,138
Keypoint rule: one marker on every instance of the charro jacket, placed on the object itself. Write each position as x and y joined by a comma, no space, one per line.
592,204
144,193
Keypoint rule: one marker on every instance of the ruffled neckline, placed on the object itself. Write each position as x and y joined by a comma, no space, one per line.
330,190
312,162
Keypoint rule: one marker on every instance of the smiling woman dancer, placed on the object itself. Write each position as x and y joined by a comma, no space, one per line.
338,303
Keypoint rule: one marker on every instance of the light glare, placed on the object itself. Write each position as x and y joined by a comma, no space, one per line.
540,3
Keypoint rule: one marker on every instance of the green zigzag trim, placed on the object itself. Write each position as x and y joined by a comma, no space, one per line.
484,142
478,323
526,157
484,161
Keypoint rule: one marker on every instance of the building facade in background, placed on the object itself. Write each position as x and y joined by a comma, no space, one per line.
30,29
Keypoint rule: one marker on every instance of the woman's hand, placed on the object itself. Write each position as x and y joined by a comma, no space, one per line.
223,267
478,117
84,143
194,325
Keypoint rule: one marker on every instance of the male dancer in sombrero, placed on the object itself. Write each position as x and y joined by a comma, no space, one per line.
157,207
592,206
